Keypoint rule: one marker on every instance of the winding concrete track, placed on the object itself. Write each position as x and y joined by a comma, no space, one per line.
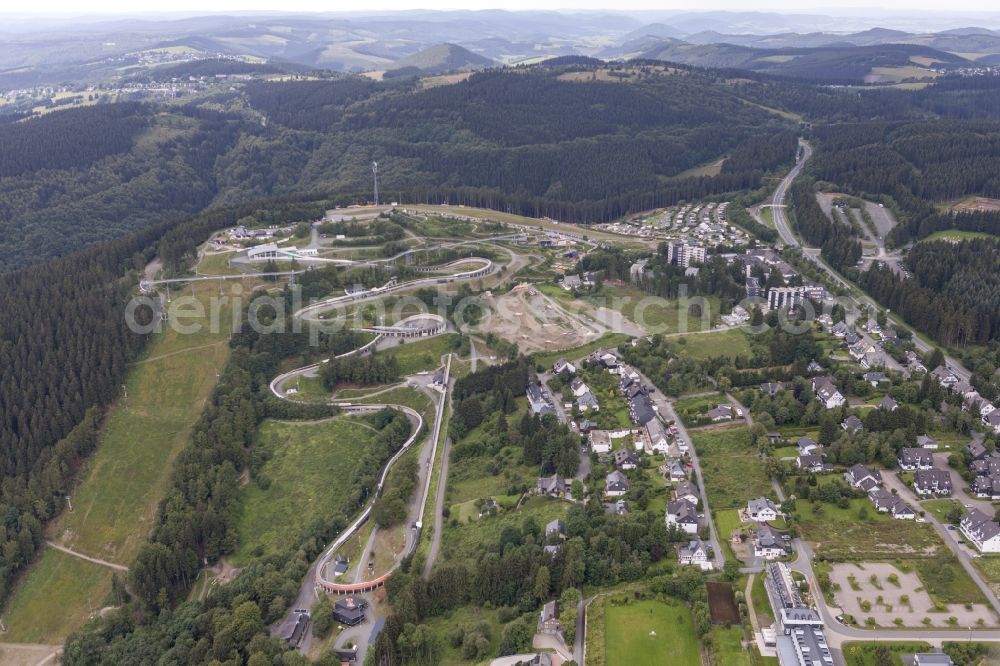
316,579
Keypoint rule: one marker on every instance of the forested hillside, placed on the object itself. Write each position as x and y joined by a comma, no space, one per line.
527,140
954,295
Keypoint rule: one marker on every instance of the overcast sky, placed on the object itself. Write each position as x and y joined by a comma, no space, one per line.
74,7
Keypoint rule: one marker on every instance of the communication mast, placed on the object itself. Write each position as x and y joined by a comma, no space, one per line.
375,177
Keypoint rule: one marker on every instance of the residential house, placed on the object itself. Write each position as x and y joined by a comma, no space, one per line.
588,401
902,511
538,400
986,487
562,365
683,514
859,476
852,424
912,458
851,339
762,510
840,329
586,425
548,621
721,413
625,459
620,508
349,611
976,449
556,528
600,441
982,531
810,463
772,388
992,420
932,482
695,553
927,442
615,484
657,437
807,446
932,659
827,393
641,409
579,387
685,490
553,486
887,404
768,543
571,282
676,471
882,499
874,378
814,367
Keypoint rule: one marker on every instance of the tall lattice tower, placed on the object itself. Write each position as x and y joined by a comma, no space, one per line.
375,178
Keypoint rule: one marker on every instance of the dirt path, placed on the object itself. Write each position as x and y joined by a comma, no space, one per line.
103,563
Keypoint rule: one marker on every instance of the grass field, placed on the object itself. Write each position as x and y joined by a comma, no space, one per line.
727,342
608,340
863,654
655,315
46,607
116,502
940,507
726,522
421,355
989,566
733,472
955,235
649,633
761,602
115,505
307,459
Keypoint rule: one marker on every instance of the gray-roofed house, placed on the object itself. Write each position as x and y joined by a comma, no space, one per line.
913,458
683,514
695,553
806,446
926,442
982,531
588,401
852,424
625,459
859,476
932,482
768,543
762,510
553,486
616,484
810,463
887,404
686,490
556,528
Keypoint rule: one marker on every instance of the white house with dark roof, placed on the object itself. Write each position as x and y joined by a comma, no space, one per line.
827,393
807,446
927,442
852,424
588,401
982,531
562,365
685,490
683,514
579,387
762,510
932,482
768,543
859,476
913,458
810,463
695,553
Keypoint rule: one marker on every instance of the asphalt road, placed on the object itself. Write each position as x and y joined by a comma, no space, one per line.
667,412
788,238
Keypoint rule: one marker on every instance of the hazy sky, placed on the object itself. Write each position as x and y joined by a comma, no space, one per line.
74,7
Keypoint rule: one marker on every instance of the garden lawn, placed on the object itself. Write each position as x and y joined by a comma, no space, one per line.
650,633
863,654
